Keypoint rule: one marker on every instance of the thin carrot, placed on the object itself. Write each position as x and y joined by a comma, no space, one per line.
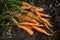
30,32
26,4
46,25
25,7
27,18
41,30
33,16
32,24
31,20
39,9
41,14
44,20
28,26
33,7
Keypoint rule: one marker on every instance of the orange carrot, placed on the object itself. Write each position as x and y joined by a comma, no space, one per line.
33,7
27,18
31,20
25,7
32,24
41,14
39,9
30,32
26,4
33,16
44,20
46,25
28,26
41,30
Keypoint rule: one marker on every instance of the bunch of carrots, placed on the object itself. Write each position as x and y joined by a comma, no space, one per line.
34,19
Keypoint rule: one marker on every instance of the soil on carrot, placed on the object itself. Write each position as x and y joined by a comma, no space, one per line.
52,8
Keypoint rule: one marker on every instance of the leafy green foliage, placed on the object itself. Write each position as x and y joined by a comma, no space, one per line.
7,9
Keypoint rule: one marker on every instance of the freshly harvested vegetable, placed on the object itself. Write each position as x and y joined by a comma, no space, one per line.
28,26
39,9
29,31
26,4
32,24
27,18
41,14
45,21
34,19
25,7
33,16
41,30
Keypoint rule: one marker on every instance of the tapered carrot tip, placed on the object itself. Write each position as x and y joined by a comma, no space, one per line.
50,35
39,9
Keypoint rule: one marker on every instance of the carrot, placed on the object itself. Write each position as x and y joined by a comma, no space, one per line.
39,9
41,30
27,18
46,25
32,24
28,26
31,20
33,16
30,32
26,4
25,7
44,20
41,14
33,7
